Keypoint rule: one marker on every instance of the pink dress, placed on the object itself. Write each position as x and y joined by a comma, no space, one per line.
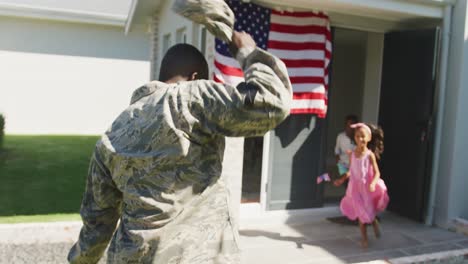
359,202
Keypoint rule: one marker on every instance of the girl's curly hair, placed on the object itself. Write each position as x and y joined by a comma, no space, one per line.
376,144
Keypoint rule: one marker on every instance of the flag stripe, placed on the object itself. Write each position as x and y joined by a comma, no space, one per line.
228,79
304,63
302,40
225,60
227,70
300,72
289,20
216,79
297,38
298,29
321,113
298,54
308,103
309,96
273,44
328,46
306,79
299,14
308,87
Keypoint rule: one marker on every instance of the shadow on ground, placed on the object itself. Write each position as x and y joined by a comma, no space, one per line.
324,241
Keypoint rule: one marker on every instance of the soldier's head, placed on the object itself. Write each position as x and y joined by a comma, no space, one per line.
183,62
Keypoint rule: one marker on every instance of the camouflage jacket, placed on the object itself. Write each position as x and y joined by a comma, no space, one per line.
157,168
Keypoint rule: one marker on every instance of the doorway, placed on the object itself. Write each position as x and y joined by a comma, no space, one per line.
370,85
352,92
252,170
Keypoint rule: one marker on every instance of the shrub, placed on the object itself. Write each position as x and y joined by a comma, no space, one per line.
2,130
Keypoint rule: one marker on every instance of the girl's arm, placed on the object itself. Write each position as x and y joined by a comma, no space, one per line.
342,179
373,161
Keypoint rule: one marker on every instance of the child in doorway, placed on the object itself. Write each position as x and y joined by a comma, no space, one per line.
366,194
345,145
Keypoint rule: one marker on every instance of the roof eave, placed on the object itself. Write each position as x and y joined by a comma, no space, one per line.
131,15
382,9
64,15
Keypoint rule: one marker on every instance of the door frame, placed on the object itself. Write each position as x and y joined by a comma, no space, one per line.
349,21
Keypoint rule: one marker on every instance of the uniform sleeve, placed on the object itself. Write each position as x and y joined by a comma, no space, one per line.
100,211
253,107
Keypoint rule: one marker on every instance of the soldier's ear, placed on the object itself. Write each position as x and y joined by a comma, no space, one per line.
193,76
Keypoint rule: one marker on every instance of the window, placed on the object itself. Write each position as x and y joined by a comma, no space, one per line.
181,35
166,43
203,40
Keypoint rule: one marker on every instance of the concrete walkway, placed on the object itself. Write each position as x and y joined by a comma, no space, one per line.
317,240
324,241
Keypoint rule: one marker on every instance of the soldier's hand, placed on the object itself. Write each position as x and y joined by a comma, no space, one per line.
241,40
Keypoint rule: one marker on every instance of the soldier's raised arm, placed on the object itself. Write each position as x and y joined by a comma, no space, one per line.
253,107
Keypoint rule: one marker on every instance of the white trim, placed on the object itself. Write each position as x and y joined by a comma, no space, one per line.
75,16
439,112
267,165
131,14
435,2
382,9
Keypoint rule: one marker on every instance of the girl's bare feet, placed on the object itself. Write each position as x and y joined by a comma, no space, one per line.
376,226
364,243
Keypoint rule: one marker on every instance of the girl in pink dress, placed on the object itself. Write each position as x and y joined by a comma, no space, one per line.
366,194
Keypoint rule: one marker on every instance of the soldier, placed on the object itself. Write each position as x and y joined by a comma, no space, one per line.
157,168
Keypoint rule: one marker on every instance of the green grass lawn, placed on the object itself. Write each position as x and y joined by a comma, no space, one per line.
43,176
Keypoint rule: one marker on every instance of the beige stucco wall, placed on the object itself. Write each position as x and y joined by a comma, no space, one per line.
67,78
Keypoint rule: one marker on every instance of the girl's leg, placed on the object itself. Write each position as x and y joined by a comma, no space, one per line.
364,241
376,226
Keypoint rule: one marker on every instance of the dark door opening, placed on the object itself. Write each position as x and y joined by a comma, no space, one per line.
252,170
345,97
406,107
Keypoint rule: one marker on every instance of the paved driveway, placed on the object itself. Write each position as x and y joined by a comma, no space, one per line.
316,241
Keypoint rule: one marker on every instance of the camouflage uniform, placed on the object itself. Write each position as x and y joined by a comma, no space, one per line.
157,168
215,15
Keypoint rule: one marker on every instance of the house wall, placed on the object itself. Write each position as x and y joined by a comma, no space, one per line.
67,78
372,77
451,198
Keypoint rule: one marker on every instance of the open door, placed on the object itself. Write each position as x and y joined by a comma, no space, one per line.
406,110
296,159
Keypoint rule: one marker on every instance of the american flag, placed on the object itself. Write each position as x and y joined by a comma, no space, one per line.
301,39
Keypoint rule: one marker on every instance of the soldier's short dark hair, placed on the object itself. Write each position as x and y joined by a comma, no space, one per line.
183,60
353,118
